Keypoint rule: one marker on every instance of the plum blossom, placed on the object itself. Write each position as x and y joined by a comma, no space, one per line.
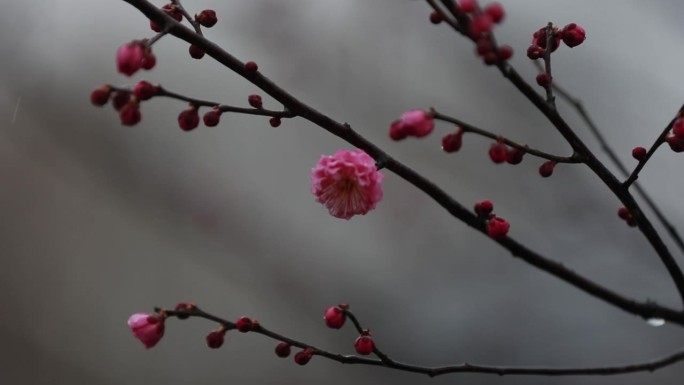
347,183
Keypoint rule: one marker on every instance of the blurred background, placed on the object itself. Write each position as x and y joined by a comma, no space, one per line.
99,221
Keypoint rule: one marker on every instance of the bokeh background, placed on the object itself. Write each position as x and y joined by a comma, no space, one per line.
98,221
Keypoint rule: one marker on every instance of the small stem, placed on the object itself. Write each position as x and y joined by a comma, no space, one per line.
446,17
156,37
187,16
660,140
550,99
475,130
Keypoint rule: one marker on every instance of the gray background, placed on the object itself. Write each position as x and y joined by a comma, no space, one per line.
98,221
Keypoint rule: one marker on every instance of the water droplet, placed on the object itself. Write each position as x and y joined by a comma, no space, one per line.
655,322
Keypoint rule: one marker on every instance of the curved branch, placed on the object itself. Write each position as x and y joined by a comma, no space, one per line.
344,131
161,91
387,362
475,130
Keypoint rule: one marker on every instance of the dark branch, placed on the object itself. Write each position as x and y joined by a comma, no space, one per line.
643,309
593,128
475,130
387,362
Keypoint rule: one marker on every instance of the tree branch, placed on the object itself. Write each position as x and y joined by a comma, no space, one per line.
645,310
385,361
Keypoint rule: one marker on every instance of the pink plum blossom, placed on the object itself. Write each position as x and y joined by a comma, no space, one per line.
416,123
347,183
148,328
129,58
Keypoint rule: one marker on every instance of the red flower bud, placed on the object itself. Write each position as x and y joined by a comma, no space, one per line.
251,67
255,101
364,344
678,128
130,113
452,142
639,153
676,143
274,121
303,357
573,35
119,99
196,52
129,58
334,317
497,228
188,119
505,52
215,339
467,6
539,38
535,52
211,118
543,79
100,96
495,12
244,324
183,307
282,350
483,208
435,18
145,90
480,25
207,18
546,169
149,60
514,155
498,152
624,213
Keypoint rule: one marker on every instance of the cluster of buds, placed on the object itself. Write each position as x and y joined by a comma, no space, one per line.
126,103
480,22
497,227
676,138
572,35
626,216
133,56
171,10
500,153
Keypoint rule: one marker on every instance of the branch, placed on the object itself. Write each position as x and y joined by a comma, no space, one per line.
475,130
387,362
617,187
645,310
161,91
577,104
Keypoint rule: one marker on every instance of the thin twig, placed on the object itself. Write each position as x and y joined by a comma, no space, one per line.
475,130
550,40
387,362
188,17
445,16
659,140
221,107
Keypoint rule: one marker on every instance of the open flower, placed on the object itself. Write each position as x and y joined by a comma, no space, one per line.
148,328
347,183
